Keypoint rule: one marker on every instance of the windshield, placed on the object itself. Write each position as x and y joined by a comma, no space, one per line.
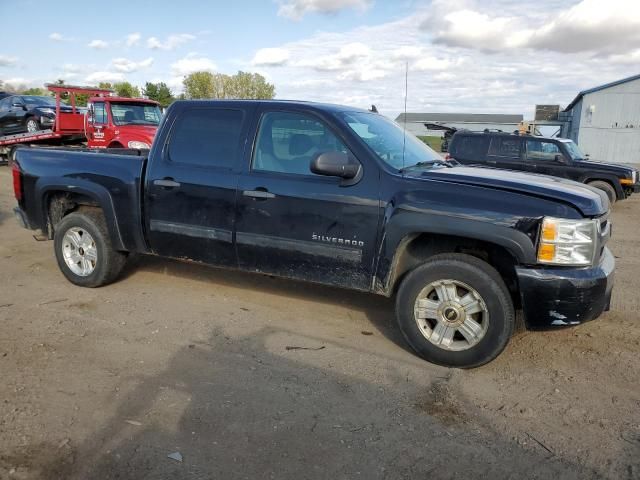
135,114
574,150
388,140
33,101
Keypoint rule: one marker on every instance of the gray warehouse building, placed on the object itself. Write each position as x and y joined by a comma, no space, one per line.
414,122
605,121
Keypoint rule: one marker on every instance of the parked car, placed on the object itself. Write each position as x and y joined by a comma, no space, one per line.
5,94
558,157
337,196
28,113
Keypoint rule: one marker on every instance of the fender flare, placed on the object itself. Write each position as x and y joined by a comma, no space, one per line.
407,226
612,179
46,185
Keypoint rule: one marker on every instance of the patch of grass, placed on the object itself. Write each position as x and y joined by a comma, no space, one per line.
433,142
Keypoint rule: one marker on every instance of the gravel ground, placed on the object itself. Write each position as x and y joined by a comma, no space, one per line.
179,358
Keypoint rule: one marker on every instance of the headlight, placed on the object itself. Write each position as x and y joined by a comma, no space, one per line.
47,110
634,176
567,242
140,145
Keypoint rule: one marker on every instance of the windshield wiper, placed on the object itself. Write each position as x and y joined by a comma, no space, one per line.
426,164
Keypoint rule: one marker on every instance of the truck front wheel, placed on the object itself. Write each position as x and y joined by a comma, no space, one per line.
84,251
607,188
455,310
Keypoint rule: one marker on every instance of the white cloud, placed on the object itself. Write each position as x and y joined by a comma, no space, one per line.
7,61
347,55
127,66
587,26
171,42
192,63
56,37
98,44
364,74
296,9
408,52
430,63
365,65
98,77
271,56
133,39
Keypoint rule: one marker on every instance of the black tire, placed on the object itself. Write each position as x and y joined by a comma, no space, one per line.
109,262
486,281
607,188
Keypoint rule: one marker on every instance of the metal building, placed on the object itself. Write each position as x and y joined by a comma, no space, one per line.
415,122
605,121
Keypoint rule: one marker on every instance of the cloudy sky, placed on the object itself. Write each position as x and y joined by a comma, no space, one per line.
491,56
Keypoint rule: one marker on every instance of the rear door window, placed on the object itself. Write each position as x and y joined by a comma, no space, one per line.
505,147
207,137
471,147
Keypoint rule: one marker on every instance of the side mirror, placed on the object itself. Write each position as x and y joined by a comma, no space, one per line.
561,159
335,164
18,105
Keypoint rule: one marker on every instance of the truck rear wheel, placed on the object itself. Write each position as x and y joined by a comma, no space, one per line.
606,188
455,310
83,249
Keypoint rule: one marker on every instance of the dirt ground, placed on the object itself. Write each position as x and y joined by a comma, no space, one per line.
106,383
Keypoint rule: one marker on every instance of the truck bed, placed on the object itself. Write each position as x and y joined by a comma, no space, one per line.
111,180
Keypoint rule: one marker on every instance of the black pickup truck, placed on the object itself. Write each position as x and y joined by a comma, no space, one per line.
338,196
559,157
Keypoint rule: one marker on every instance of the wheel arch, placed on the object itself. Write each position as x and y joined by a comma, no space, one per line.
611,180
417,247
60,200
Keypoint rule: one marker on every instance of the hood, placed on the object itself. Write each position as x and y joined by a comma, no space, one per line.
141,133
613,168
589,201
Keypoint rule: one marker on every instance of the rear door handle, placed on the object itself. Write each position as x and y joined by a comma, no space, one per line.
258,193
167,183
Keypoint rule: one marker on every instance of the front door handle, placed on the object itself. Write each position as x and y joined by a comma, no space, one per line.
258,193
166,183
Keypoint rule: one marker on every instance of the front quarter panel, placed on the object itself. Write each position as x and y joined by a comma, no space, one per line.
415,207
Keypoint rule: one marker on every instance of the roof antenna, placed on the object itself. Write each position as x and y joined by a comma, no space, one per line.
404,124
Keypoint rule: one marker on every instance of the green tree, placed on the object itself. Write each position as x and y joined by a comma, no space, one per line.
198,85
125,89
105,85
249,85
35,91
218,85
158,92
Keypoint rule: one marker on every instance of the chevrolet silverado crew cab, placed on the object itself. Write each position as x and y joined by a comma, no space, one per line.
337,196
559,157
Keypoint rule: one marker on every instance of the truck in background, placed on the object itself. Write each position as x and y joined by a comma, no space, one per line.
107,122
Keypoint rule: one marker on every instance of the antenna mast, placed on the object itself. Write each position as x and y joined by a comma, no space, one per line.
404,124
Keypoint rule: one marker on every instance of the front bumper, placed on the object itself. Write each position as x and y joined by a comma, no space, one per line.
562,297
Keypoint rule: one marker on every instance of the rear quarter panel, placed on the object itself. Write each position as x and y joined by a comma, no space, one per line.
111,180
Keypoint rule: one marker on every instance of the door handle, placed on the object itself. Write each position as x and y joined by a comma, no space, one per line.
258,193
166,183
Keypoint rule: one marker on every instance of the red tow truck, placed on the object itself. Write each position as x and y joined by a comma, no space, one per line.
107,122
